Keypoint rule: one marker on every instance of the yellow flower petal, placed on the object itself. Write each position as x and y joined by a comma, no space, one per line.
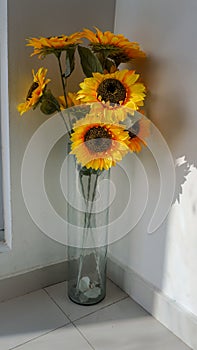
115,90
36,90
137,135
44,46
106,146
115,43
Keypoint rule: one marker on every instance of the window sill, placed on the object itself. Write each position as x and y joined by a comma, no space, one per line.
4,247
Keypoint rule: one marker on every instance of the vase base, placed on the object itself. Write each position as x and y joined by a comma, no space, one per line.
81,299
88,303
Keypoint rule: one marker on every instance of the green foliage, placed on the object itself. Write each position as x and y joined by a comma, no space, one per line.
49,104
89,62
70,61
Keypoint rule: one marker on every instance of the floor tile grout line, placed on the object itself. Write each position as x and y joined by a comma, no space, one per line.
77,319
101,308
39,336
59,307
109,278
84,337
71,322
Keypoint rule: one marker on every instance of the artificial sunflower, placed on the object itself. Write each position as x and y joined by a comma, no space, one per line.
114,46
35,92
71,100
139,131
45,46
98,145
116,89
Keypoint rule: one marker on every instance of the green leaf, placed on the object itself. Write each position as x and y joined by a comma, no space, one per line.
89,62
70,61
49,104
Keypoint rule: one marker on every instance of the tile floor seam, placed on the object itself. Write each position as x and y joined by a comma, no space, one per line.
72,322
59,307
77,319
117,286
84,337
102,308
39,336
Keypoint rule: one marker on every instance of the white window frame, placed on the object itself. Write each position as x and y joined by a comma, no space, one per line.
6,243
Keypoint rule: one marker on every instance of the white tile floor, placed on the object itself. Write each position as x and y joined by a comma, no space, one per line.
48,320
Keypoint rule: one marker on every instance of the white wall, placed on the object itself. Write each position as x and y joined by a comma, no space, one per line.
26,18
167,31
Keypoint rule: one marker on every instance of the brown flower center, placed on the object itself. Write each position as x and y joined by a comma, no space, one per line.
134,130
111,90
32,88
98,139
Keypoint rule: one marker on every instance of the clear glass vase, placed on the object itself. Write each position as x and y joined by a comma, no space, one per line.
88,210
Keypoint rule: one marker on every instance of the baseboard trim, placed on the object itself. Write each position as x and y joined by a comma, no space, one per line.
30,281
178,320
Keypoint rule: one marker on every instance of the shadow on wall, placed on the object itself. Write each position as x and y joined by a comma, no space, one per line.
168,107
167,258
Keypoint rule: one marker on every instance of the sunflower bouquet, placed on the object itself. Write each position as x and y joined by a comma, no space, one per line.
99,119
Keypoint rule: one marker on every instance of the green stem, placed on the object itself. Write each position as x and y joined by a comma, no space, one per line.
62,80
89,226
84,229
84,196
62,116
92,200
63,86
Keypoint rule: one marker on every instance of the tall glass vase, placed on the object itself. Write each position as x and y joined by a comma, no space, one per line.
88,209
